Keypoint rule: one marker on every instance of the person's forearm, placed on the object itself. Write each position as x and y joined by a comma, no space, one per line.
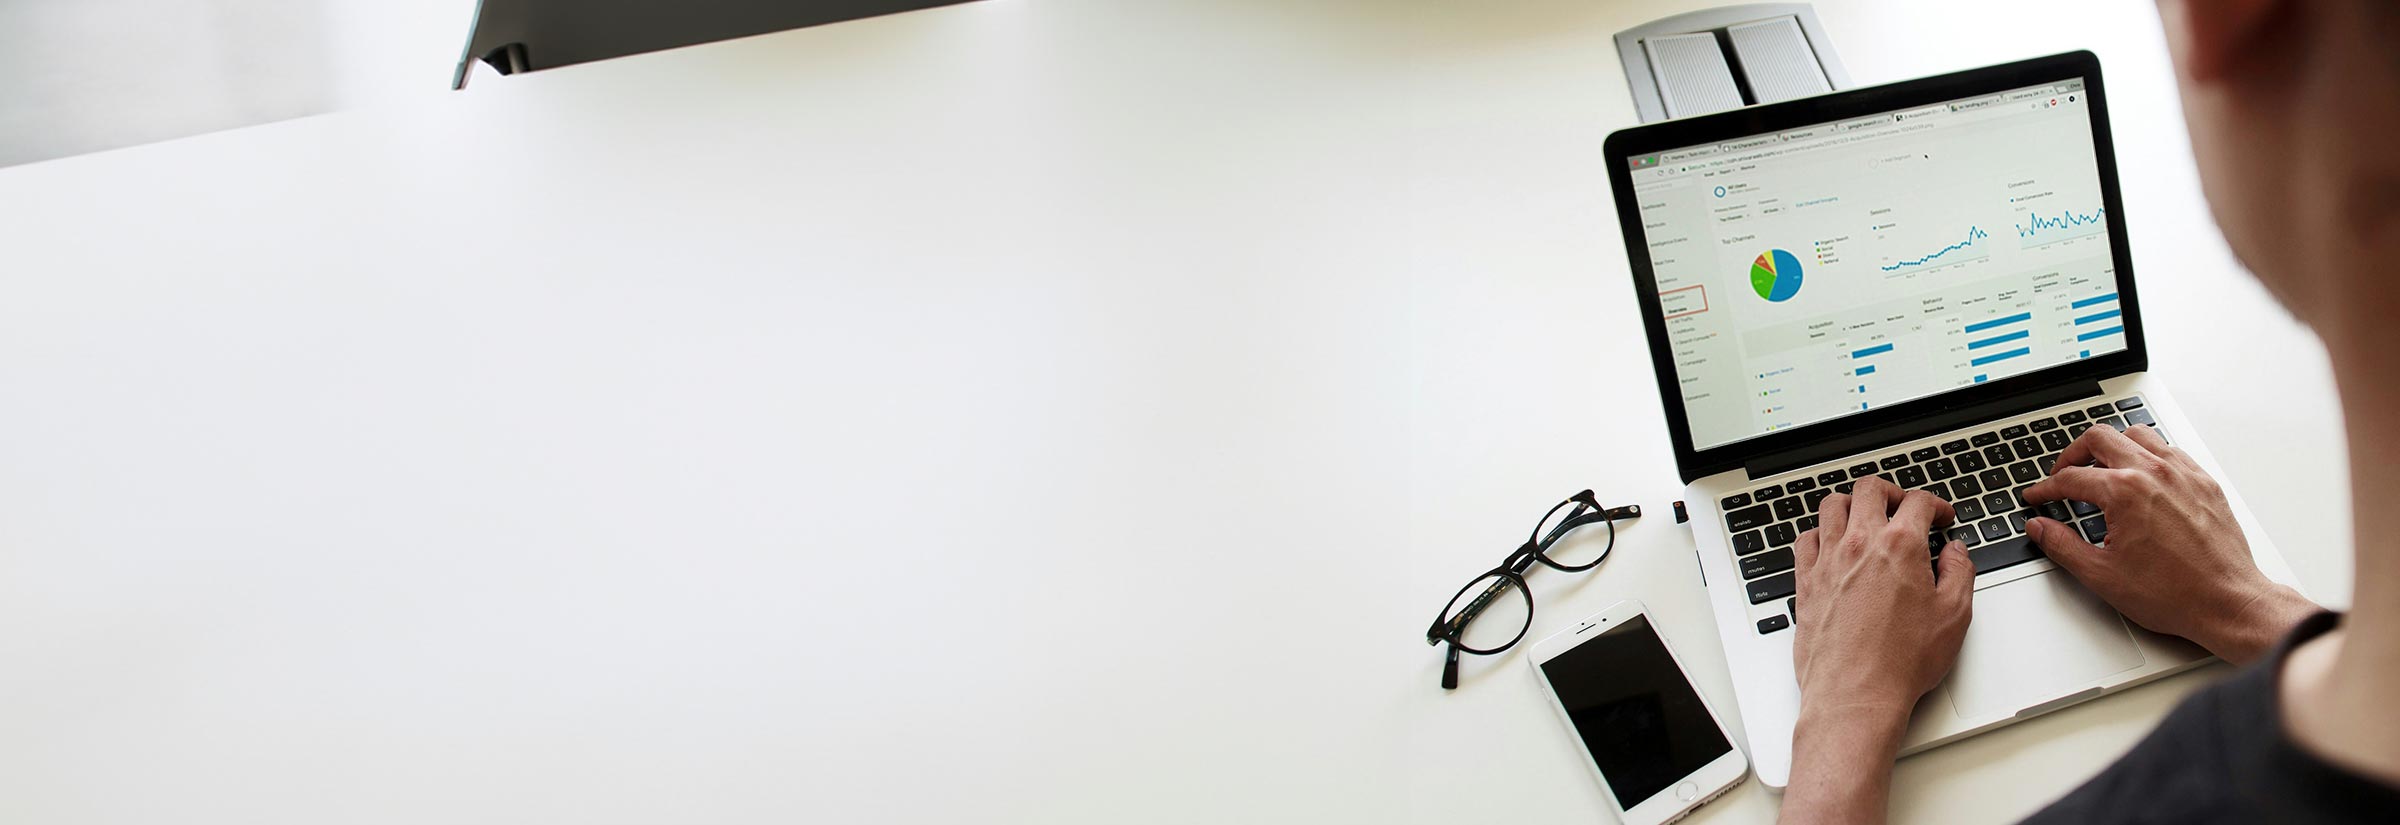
1842,762
2253,628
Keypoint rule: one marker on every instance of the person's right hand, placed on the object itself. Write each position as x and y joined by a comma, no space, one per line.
2175,560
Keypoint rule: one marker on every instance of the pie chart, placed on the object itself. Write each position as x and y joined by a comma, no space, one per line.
1776,275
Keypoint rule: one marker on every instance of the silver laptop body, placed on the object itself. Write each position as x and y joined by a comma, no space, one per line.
1927,281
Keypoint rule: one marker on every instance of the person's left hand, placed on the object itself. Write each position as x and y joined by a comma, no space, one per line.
1877,628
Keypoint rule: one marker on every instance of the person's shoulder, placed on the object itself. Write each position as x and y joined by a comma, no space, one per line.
2178,773
2222,755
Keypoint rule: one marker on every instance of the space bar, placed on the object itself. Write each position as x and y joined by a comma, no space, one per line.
2006,552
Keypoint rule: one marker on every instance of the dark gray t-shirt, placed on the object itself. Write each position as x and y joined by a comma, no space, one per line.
2222,756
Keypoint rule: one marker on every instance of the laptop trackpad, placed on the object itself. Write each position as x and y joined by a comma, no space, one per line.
2035,639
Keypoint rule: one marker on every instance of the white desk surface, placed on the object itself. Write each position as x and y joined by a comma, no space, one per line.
1026,411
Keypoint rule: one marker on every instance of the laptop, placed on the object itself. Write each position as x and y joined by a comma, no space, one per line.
1927,281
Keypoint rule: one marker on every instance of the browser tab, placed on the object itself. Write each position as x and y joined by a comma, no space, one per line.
1753,143
1848,126
1920,113
1687,154
1979,103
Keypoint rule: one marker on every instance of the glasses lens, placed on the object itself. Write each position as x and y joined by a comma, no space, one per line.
1583,544
1496,611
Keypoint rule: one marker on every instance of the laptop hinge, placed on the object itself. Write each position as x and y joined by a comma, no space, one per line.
1919,427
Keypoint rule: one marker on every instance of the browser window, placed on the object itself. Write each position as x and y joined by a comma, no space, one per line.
1825,271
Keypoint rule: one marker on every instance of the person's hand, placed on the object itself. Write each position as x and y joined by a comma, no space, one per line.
2175,560
1876,626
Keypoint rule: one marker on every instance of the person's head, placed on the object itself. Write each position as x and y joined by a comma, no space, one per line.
2294,110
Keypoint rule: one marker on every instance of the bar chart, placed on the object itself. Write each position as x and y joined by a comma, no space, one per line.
1993,346
1860,367
2102,320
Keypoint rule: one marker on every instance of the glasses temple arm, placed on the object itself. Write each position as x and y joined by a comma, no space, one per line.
1443,631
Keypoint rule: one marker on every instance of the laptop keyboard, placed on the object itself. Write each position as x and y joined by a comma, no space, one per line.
1982,475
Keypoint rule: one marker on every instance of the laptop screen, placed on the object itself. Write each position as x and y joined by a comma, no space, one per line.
1824,271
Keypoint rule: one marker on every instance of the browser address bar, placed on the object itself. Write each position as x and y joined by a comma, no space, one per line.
1865,134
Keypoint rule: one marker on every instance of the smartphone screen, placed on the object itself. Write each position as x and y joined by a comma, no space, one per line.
1641,720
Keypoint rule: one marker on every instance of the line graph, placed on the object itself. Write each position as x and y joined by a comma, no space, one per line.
1974,233
2043,229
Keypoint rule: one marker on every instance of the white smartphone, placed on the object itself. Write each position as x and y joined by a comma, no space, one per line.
1658,750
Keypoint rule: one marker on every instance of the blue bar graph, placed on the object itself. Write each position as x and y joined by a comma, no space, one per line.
1980,378
1998,322
1877,349
2098,333
2000,357
2097,316
2096,299
1867,370
1998,339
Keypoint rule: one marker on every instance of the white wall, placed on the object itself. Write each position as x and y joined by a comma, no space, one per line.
81,76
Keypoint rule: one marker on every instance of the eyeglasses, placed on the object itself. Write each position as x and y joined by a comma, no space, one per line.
1483,620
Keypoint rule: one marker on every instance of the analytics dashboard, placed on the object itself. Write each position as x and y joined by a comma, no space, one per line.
1819,272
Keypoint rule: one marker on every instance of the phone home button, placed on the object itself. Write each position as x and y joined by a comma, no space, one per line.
1686,791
